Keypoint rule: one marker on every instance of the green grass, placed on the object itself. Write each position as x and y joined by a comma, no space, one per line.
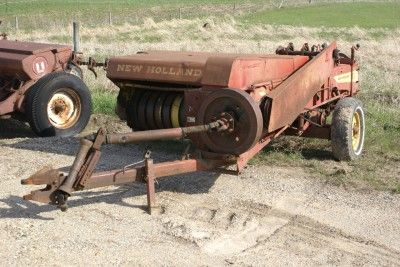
32,7
49,13
95,12
378,168
366,15
104,101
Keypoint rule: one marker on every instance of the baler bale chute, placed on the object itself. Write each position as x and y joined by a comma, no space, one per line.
42,84
229,106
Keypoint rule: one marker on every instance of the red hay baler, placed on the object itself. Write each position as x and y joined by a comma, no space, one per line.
229,106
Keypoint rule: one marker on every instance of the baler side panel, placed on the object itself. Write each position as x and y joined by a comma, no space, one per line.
217,71
171,68
291,97
249,71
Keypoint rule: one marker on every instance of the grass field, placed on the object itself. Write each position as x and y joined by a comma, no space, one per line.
261,33
365,15
36,14
44,13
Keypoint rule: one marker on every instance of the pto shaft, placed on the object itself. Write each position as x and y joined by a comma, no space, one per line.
163,134
83,154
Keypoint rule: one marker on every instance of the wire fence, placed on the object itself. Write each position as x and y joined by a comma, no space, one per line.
45,14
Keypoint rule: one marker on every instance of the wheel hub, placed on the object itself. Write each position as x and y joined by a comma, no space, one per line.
63,108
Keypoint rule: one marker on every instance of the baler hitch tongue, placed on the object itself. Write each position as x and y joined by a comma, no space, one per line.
48,176
59,187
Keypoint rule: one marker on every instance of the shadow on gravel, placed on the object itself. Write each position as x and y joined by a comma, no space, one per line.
197,183
317,154
11,128
70,145
55,145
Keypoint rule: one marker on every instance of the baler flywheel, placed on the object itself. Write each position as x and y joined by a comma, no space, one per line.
246,115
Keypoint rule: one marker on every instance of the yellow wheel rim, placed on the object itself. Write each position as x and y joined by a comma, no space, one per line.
356,132
175,111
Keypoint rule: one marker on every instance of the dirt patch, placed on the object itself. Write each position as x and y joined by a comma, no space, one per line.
111,124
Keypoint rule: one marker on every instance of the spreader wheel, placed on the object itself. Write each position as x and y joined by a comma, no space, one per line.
348,129
59,104
247,121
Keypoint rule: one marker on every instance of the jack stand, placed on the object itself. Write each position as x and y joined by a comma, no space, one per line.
150,179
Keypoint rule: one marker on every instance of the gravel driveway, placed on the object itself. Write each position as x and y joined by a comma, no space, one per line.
266,216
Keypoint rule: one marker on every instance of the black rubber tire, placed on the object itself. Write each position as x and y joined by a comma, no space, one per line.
342,129
39,95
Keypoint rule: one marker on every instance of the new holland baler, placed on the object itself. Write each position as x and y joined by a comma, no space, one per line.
229,106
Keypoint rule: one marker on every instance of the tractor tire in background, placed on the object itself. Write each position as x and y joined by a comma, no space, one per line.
59,104
348,129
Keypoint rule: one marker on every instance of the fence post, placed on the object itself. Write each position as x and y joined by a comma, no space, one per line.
234,6
16,23
75,35
180,13
280,5
109,18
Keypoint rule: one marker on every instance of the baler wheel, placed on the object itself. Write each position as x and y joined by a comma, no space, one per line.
348,129
59,104
247,125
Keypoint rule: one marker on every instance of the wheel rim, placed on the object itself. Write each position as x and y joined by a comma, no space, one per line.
356,131
64,108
